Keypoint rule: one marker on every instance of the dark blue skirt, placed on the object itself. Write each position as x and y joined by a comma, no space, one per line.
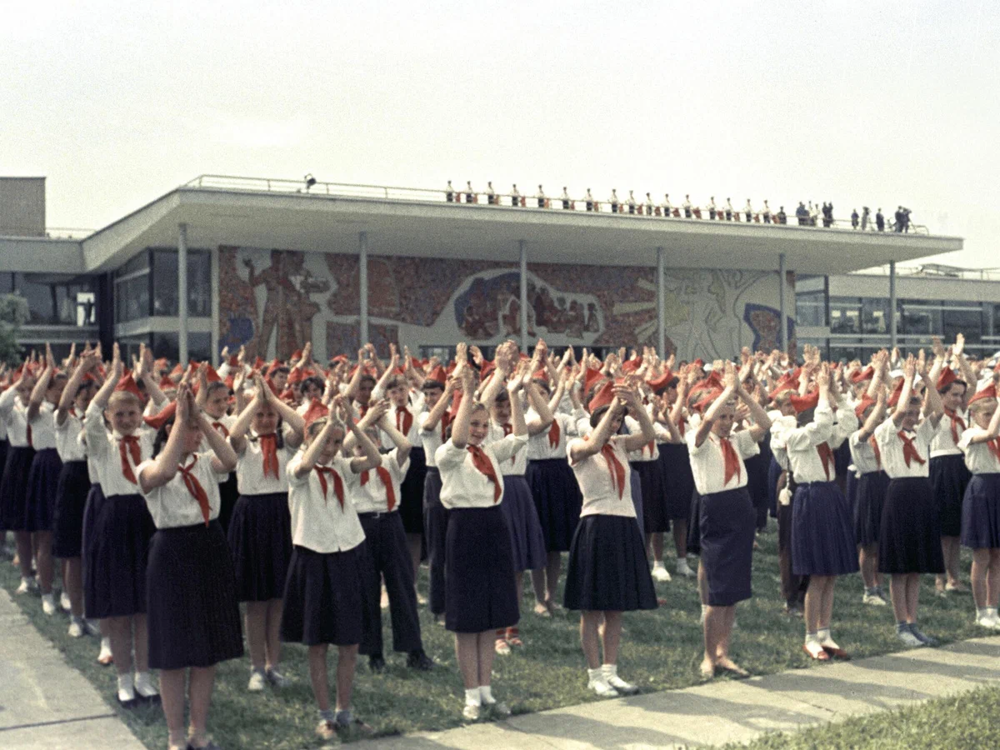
95,498
479,572
678,481
654,496
71,500
192,612
727,524
435,532
14,489
636,487
851,491
981,512
607,569
870,492
694,525
115,557
229,493
557,499
822,532
910,536
773,475
260,537
43,489
526,541
323,601
949,478
757,470
411,504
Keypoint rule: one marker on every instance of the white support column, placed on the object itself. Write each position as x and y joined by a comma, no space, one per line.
892,305
182,294
523,248
661,306
215,306
782,274
363,287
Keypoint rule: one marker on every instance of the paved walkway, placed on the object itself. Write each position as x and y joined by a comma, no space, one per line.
733,711
44,702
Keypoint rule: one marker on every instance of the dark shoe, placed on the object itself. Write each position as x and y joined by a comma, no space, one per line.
376,663
419,660
837,653
210,746
356,729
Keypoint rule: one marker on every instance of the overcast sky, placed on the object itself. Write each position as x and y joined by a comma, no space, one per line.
859,103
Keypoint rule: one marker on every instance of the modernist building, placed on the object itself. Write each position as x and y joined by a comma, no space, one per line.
274,264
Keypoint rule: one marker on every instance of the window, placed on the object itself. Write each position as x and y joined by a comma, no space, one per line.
199,267
137,263
71,302
875,316
810,309
958,317
845,315
920,319
166,345
132,299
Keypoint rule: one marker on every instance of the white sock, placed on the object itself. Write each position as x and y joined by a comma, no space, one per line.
812,638
991,611
595,674
657,564
126,688
609,670
473,697
144,685
682,562
486,694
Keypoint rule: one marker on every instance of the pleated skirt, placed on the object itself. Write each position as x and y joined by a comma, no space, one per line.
557,499
260,537
822,532
655,518
678,481
115,557
949,478
192,612
607,570
43,489
14,489
727,526
694,525
229,493
71,501
411,504
95,498
323,599
479,572
526,541
869,499
910,536
981,512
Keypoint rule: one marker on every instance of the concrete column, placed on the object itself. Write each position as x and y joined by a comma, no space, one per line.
892,304
363,287
782,273
661,305
523,248
215,306
182,294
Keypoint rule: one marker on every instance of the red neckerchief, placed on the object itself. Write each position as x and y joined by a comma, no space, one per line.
878,454
681,425
482,462
195,488
909,449
554,434
383,474
404,420
269,452
221,428
994,446
338,483
650,446
731,460
957,425
615,468
826,456
445,421
129,444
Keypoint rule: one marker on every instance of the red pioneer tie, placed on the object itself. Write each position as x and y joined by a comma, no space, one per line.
129,444
994,446
878,454
957,425
615,468
219,427
909,449
338,483
482,462
404,420
445,421
269,451
650,446
732,461
383,474
554,434
195,488
826,456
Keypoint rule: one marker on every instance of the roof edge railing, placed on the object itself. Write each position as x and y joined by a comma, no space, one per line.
507,200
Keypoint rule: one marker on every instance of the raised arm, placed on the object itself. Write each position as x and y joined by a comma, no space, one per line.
875,418
146,372
581,449
729,389
38,392
164,466
87,363
646,433
460,427
403,446
909,372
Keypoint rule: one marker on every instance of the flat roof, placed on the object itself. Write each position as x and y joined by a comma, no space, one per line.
318,222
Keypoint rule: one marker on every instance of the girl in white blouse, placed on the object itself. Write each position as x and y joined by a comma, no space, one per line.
479,571
438,389
981,505
213,400
607,572
194,619
14,485
323,601
871,488
910,537
265,438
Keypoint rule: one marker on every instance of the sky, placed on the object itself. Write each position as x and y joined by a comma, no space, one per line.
858,103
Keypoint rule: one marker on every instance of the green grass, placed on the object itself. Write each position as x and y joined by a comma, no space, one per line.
661,650
970,720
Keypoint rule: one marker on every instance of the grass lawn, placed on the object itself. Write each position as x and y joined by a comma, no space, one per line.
968,721
661,650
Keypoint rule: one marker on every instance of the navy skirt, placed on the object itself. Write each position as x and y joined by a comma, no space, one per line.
654,496
607,569
678,481
910,536
757,470
949,478
851,491
115,556
71,500
95,498
526,541
773,475
869,493
557,499
323,601
229,493
727,524
411,504
479,572
192,612
694,525
636,487
981,512
435,531
14,489
43,489
822,532
260,537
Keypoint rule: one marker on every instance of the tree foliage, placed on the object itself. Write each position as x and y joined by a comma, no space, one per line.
13,314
